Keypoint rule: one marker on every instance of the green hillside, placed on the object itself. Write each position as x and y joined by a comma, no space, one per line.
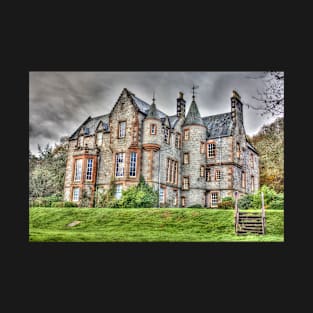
144,225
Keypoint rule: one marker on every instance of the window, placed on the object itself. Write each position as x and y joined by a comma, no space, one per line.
238,150
186,183
89,169
177,141
119,164
251,160
183,202
171,171
202,147
153,129
211,150
75,197
167,135
186,158
99,139
81,141
202,170
175,200
214,199
118,191
133,162
243,179
186,134
252,183
162,195
208,174
121,129
78,169
217,174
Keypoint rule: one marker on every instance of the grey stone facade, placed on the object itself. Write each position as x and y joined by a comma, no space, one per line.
233,165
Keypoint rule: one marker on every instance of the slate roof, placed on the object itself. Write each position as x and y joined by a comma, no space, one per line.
219,125
144,107
193,116
92,124
173,120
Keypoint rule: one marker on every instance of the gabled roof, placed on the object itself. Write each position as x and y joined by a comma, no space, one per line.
219,125
92,124
193,116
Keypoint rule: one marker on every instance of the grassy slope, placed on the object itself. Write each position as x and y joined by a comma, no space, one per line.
138,225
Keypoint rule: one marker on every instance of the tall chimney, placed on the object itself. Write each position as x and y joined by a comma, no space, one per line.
181,105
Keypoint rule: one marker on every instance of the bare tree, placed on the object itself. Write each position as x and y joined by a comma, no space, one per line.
271,97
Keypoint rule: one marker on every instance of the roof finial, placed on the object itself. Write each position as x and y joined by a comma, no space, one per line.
153,99
193,91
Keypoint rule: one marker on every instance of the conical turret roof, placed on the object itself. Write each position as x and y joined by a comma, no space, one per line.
193,116
153,110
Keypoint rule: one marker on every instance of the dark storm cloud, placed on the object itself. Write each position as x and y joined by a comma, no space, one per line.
60,101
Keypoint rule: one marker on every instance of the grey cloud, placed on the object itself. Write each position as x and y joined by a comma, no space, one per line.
60,101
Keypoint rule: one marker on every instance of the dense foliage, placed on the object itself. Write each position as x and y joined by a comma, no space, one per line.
272,200
227,203
140,196
269,142
47,171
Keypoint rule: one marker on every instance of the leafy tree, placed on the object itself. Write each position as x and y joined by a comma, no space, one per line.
269,142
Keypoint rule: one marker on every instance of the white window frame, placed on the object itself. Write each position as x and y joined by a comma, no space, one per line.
162,195
119,164
211,150
183,201
186,134
133,164
89,169
186,155
208,175
118,191
122,129
202,147
78,170
75,194
186,179
175,197
214,199
218,174
202,171
177,141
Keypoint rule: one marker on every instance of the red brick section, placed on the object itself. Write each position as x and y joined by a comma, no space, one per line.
81,183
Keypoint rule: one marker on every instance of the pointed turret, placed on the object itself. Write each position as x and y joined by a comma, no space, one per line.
152,113
193,116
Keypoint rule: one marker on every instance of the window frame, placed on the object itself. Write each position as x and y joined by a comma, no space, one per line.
202,171
73,194
162,199
209,151
217,174
252,183
202,147
133,164
211,199
116,164
167,135
75,170
120,128
243,179
208,174
153,126
90,172
188,184
183,201
120,192
178,140
184,158
186,134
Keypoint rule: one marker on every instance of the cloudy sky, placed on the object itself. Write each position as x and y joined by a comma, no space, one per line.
60,101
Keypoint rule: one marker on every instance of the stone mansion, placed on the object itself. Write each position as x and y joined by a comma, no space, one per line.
189,159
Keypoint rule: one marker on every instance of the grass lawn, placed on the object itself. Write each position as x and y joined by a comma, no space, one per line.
144,225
